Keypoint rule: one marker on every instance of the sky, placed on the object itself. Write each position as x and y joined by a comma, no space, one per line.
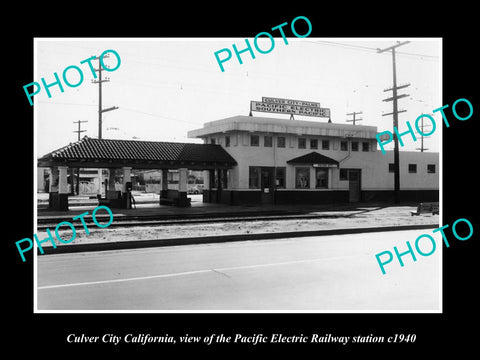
165,87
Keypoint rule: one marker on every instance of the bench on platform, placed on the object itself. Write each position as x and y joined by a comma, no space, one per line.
174,198
167,201
427,207
176,202
112,199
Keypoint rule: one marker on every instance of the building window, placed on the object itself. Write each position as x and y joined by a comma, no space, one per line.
302,143
254,177
344,145
391,168
412,168
227,141
254,140
228,175
280,177
365,146
343,174
321,178
224,178
354,145
212,141
313,144
281,141
267,141
325,144
431,169
302,178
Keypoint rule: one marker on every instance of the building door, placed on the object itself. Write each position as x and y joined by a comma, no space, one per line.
354,185
267,185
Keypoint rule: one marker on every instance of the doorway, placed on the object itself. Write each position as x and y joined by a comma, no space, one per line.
354,177
267,185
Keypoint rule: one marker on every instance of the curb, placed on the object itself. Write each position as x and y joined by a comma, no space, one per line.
138,244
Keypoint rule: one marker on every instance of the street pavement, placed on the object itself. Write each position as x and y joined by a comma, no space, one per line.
314,274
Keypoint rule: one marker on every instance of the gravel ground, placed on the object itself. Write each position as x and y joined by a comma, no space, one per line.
370,217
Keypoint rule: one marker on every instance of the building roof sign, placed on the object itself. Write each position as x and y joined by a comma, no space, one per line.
289,107
290,102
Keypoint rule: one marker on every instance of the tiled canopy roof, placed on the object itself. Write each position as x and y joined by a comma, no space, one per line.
136,153
313,158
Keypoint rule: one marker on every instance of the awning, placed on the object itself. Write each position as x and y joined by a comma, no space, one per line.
314,159
109,153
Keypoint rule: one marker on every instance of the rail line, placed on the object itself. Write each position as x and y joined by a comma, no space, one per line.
127,221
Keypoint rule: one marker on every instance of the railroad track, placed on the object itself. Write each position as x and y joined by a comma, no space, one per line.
129,221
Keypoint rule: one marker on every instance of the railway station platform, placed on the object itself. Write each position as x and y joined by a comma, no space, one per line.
147,206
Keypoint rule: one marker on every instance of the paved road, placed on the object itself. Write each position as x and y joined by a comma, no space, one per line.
328,273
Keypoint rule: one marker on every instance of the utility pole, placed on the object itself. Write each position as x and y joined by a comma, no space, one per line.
77,186
421,148
354,119
99,82
100,110
79,130
395,113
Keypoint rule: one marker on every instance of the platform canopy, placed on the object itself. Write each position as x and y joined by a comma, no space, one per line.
109,153
314,159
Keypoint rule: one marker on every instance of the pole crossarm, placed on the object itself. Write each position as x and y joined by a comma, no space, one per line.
109,109
354,118
392,47
398,112
396,97
398,87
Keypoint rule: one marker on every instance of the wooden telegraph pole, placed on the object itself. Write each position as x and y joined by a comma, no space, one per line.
100,110
99,82
354,119
77,186
395,112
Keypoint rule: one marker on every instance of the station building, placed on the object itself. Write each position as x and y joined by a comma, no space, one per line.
254,160
282,161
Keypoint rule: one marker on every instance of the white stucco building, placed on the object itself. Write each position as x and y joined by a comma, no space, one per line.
284,161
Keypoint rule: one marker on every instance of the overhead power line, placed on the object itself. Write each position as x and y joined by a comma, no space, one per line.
369,49
160,116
